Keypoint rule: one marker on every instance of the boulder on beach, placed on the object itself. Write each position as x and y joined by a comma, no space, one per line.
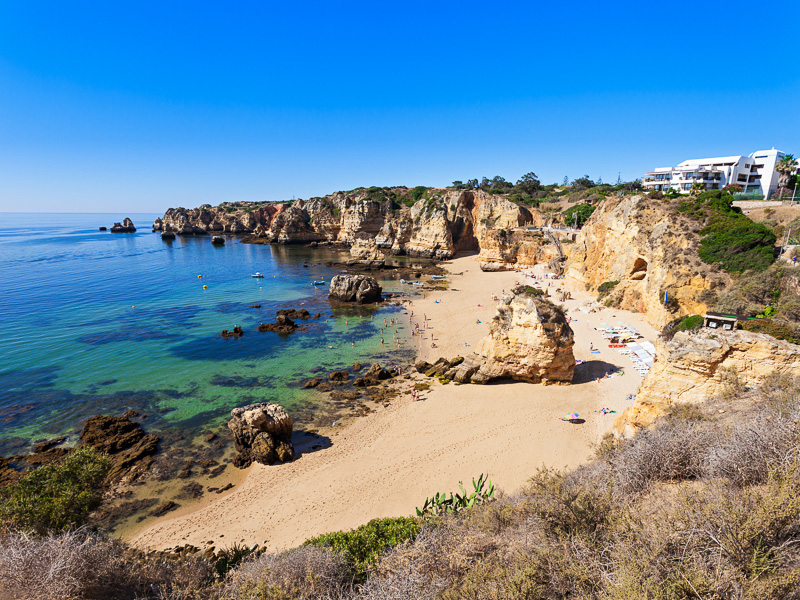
262,433
355,288
125,227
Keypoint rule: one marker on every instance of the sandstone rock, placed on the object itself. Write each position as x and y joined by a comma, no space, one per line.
694,366
312,383
127,445
649,249
355,288
262,433
168,236
529,340
293,313
125,227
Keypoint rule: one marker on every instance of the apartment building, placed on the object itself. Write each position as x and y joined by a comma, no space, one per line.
755,173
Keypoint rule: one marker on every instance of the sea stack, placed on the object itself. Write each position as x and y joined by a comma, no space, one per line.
529,340
125,227
355,288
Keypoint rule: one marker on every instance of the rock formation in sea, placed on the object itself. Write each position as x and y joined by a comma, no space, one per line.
694,366
125,227
648,248
355,288
130,449
262,433
529,340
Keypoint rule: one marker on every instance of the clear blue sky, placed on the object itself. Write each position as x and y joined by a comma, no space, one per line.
139,106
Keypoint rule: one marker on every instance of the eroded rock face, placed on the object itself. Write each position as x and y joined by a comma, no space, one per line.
694,366
437,226
648,249
262,433
125,227
355,288
127,445
529,340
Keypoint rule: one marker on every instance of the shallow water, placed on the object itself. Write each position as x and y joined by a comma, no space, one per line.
96,322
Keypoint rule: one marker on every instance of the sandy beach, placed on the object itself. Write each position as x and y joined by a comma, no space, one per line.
387,463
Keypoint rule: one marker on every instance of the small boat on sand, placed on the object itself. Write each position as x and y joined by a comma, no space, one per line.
257,275
438,276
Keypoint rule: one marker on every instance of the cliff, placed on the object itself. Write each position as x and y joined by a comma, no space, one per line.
529,340
649,248
694,366
438,224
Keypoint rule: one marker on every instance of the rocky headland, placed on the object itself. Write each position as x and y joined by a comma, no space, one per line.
695,366
641,249
371,220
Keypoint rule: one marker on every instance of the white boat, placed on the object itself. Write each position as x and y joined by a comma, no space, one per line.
438,276
257,275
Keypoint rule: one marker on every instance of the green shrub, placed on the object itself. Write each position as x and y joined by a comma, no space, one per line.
691,322
56,496
363,546
606,287
781,331
583,212
737,245
441,503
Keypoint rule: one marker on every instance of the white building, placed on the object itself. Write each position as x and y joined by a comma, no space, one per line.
755,173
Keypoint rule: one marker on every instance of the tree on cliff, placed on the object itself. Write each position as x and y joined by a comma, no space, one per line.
786,167
529,183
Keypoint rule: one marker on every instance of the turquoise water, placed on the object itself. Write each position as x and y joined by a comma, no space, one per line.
95,322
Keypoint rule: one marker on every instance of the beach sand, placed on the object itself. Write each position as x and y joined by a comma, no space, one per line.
388,462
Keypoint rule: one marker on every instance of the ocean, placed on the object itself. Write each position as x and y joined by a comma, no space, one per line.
95,322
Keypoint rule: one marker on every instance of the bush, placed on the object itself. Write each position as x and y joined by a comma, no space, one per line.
302,573
753,450
685,411
737,245
691,322
578,214
672,452
606,287
361,547
56,496
778,330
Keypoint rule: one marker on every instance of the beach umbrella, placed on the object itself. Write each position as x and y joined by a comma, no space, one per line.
571,416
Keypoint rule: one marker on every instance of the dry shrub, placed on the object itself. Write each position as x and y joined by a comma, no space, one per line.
685,411
752,450
301,573
88,565
672,452
732,386
67,565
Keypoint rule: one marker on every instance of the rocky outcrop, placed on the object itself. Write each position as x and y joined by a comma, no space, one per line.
438,225
218,240
503,249
694,366
355,288
283,325
650,249
365,252
130,449
125,227
529,340
261,433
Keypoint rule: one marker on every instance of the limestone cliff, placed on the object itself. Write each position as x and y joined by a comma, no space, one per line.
437,225
529,340
694,366
648,248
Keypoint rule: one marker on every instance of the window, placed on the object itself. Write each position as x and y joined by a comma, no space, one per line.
741,177
762,156
687,186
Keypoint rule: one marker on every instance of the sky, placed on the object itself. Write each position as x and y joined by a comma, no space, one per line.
142,106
